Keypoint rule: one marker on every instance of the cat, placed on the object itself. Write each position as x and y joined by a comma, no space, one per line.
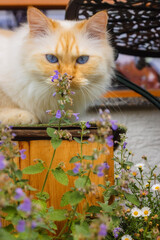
30,55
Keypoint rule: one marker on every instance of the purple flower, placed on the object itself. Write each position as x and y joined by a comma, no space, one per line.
19,194
109,140
33,224
25,206
116,231
124,145
100,173
114,125
21,226
77,168
107,111
103,230
48,111
58,114
106,166
1,142
88,125
23,156
2,162
55,76
76,116
13,135
54,94
72,92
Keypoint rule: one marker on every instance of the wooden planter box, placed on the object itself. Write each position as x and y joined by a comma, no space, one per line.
37,144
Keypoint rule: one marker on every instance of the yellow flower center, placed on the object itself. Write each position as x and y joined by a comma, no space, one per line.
135,213
126,238
157,188
145,212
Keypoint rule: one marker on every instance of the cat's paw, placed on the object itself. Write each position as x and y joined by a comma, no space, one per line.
17,117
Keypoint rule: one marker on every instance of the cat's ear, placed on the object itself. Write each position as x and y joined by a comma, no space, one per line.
96,25
39,24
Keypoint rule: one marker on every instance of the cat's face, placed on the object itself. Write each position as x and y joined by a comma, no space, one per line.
80,49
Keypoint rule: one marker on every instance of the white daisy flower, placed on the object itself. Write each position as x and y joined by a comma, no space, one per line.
140,166
136,212
126,237
146,211
156,187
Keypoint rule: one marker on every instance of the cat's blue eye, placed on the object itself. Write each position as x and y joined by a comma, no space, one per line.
51,58
82,59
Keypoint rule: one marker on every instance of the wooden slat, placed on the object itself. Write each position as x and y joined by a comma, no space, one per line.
129,93
38,3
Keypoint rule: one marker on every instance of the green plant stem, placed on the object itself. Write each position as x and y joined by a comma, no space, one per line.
81,146
48,171
62,231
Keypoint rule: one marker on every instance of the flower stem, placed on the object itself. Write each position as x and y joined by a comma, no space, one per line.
48,171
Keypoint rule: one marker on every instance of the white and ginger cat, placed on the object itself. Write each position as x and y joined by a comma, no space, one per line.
31,54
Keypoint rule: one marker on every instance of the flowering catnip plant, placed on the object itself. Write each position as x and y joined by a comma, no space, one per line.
130,208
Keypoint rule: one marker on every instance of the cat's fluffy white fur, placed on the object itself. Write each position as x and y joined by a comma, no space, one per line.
25,94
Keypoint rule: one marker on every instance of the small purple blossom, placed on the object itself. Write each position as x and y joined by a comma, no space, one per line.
106,166
72,92
103,230
58,114
13,135
113,124
55,76
54,94
33,224
107,111
76,116
25,206
1,143
77,168
88,125
124,145
116,231
48,111
109,141
21,226
19,194
2,162
23,156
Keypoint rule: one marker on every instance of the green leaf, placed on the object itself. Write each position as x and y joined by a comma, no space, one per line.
34,169
9,228
82,229
81,182
6,235
94,209
71,198
60,176
77,140
57,215
56,142
44,196
50,132
11,211
18,174
132,199
42,205
74,159
65,199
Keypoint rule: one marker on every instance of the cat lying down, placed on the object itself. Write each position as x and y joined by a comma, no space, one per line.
31,54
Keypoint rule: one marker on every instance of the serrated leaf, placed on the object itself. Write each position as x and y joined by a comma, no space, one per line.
81,182
71,198
74,159
132,199
56,142
77,140
42,205
44,196
94,209
65,199
60,176
50,132
58,215
34,169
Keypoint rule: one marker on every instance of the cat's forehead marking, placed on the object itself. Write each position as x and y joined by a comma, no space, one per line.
67,44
